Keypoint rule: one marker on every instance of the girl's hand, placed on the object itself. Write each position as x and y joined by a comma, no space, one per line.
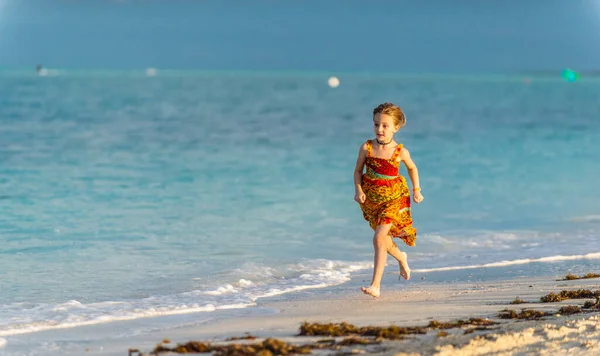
417,197
360,197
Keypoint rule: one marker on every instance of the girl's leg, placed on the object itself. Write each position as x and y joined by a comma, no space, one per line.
400,256
380,247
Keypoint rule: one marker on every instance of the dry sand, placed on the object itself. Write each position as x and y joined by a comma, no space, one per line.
417,305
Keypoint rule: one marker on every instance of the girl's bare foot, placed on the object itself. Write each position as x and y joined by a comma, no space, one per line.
372,291
404,269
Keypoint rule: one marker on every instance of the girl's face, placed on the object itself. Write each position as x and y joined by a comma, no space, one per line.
384,127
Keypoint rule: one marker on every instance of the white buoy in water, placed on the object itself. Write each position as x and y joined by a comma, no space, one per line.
333,82
151,72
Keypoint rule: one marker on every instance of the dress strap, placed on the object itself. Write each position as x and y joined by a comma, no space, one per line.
369,147
397,152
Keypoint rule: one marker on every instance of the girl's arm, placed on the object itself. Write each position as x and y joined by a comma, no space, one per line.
413,173
360,165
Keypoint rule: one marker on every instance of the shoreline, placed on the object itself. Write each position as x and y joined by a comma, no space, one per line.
401,304
418,306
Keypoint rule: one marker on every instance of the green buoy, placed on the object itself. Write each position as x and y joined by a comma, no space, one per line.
570,75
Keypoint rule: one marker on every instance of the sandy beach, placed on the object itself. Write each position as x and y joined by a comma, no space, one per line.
418,305
401,304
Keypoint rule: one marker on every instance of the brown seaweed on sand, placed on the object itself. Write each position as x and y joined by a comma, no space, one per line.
570,277
569,294
391,332
434,324
353,340
266,347
518,300
388,332
592,305
277,347
524,314
569,310
478,328
245,337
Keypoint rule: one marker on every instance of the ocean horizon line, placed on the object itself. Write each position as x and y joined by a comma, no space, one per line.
157,71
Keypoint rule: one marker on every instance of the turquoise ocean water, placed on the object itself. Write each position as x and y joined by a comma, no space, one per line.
124,196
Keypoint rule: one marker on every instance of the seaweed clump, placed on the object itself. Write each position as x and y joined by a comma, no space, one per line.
569,310
518,301
434,324
569,294
527,314
266,348
245,337
353,340
592,305
570,277
391,332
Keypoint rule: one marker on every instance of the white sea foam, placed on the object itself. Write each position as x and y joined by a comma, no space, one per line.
2,342
242,294
586,218
16,329
557,258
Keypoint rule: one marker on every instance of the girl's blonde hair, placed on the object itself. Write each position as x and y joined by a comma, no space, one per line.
392,110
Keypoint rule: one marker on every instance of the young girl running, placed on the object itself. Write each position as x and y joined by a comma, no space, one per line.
383,194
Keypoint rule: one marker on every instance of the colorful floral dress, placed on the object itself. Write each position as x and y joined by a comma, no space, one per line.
388,196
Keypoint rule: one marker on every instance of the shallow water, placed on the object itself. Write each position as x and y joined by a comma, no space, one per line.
125,196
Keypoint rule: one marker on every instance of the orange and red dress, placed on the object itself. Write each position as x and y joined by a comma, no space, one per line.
387,196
